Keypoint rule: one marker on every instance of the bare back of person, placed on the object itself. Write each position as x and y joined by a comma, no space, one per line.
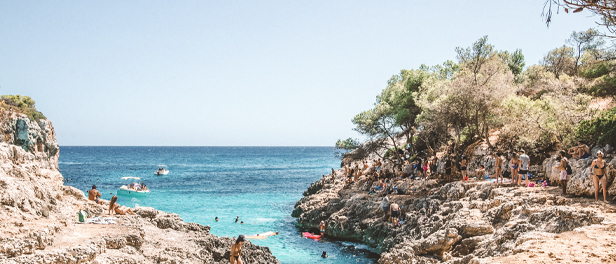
93,194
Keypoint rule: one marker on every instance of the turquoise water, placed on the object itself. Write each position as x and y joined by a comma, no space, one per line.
260,184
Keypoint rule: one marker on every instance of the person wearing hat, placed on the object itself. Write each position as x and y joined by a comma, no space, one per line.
236,250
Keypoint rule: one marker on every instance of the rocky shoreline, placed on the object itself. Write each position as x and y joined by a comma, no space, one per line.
38,214
469,222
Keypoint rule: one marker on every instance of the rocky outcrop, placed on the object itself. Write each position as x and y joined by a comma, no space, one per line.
459,222
581,182
38,214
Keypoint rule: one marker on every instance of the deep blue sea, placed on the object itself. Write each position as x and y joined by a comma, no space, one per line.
258,184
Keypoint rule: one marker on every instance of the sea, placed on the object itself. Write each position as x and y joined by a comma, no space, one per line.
259,184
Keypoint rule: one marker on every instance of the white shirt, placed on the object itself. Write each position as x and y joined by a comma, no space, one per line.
525,159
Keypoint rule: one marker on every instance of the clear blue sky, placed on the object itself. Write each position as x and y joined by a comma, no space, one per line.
240,73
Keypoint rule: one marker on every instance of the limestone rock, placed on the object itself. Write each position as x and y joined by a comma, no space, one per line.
38,215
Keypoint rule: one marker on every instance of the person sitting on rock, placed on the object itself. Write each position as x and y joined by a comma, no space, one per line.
341,220
117,208
580,151
236,250
94,194
481,172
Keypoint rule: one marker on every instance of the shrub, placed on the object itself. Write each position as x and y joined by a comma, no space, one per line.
599,130
25,104
596,72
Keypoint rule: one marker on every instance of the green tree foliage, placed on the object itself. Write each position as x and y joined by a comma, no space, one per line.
516,63
599,130
378,125
343,147
25,104
584,42
560,60
541,108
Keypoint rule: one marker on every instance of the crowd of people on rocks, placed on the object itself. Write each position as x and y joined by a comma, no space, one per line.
368,175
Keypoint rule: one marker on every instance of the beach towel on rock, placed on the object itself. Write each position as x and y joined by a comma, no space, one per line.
99,220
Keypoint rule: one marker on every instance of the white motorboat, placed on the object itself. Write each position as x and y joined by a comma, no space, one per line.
162,170
133,189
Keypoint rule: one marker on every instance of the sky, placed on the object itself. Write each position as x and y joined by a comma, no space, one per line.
240,73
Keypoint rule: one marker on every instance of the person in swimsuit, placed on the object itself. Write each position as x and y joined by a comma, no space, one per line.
598,167
236,250
515,167
322,228
498,167
463,168
563,171
118,209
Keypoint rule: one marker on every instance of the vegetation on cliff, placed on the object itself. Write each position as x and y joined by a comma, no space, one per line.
539,108
24,104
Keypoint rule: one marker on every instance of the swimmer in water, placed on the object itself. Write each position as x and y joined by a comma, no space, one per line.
242,222
216,219
324,255
237,218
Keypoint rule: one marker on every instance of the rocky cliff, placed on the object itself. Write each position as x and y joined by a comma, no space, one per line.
461,222
38,214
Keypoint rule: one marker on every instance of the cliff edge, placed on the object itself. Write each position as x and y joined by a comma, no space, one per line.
38,214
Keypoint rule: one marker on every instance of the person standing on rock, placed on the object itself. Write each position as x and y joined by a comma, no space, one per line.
394,213
515,166
322,228
448,165
598,166
524,167
463,168
236,250
563,171
498,167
